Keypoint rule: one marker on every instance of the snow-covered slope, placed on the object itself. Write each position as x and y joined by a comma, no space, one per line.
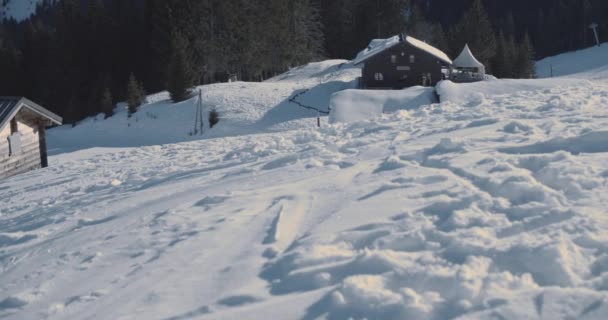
488,207
588,63
18,9
244,108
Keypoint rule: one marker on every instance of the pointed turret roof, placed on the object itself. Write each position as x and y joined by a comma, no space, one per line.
467,60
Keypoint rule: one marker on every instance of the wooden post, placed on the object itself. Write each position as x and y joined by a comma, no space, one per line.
318,118
200,104
44,160
597,38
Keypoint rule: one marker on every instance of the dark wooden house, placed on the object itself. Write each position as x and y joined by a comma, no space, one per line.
22,135
400,62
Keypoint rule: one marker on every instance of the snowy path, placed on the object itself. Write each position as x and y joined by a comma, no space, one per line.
490,209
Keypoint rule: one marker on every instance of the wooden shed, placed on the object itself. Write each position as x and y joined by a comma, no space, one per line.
23,126
400,62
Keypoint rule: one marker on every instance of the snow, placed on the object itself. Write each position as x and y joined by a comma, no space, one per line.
476,92
488,206
376,46
18,9
379,45
586,63
467,60
357,105
428,48
244,108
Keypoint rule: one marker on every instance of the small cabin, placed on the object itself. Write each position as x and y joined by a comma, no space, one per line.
23,135
466,68
400,62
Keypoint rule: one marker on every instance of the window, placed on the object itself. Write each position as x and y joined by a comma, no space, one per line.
394,59
412,58
378,76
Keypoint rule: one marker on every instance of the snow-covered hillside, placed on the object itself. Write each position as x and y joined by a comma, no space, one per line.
588,63
244,108
490,205
18,9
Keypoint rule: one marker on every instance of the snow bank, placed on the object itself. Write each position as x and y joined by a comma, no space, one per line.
357,105
467,93
592,60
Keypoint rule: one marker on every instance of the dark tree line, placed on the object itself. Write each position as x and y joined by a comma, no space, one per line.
79,57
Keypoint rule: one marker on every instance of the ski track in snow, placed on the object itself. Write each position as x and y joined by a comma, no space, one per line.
494,209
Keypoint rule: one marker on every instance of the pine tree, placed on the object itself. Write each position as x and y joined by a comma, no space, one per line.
107,105
475,29
307,33
501,63
419,27
525,59
135,95
180,75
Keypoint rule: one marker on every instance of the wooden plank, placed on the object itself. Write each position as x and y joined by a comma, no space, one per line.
23,166
24,163
4,152
32,147
25,143
29,154
19,171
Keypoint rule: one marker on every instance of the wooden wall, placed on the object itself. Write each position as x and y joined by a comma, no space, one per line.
401,73
29,158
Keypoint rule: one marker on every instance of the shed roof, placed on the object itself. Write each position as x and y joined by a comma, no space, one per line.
10,106
467,60
377,46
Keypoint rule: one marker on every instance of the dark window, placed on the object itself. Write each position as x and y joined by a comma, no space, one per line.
14,127
379,76
394,59
412,58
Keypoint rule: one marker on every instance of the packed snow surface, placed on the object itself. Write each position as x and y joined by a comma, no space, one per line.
492,207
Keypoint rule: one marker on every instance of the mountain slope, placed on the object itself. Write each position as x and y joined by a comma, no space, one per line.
587,63
244,108
488,206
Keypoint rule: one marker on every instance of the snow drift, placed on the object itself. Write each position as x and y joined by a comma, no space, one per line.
357,105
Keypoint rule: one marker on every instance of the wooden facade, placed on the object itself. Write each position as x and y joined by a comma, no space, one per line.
22,136
403,65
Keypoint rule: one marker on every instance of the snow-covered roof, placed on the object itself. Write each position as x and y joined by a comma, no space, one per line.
467,60
428,48
379,45
376,46
10,106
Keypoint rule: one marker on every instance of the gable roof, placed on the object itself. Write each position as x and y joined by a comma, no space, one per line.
377,46
467,60
10,106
